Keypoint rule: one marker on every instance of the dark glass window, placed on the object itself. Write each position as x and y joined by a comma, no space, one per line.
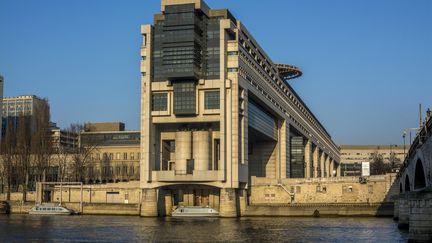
211,100
184,98
160,102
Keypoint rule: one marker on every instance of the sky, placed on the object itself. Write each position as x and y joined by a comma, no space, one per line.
366,64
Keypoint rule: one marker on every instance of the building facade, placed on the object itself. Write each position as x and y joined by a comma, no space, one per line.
353,155
13,107
1,100
216,111
114,153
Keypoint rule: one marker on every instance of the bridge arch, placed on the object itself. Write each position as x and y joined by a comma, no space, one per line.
407,184
419,175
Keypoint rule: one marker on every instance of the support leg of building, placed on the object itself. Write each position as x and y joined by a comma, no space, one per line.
228,203
307,156
164,202
242,200
315,161
149,203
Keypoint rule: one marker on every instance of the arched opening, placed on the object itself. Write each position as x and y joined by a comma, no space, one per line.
400,188
407,184
419,177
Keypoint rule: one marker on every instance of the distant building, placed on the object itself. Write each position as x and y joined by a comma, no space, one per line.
115,155
13,107
353,155
62,140
1,99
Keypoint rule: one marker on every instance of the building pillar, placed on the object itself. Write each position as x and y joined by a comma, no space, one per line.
308,157
242,201
330,167
316,160
338,170
183,150
149,203
227,203
322,169
164,202
201,150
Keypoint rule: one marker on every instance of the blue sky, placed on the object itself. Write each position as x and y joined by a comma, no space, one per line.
367,64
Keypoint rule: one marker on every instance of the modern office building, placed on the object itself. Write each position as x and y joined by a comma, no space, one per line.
13,107
217,111
353,155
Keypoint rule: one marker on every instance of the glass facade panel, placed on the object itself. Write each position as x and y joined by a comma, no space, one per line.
159,102
297,157
211,100
184,98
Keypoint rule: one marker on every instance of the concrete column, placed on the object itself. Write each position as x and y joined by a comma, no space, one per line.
339,170
307,156
330,166
327,166
227,203
322,169
165,202
242,201
149,203
183,150
201,150
315,161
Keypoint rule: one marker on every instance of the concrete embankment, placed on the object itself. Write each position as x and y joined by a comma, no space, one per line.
312,210
318,210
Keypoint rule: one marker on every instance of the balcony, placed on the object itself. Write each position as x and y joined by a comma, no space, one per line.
196,176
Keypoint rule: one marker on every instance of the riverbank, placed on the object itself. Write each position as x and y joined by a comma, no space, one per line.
285,210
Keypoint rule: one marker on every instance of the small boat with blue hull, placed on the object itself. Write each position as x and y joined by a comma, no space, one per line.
50,209
190,211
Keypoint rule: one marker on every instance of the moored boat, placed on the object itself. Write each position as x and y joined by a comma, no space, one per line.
190,211
50,209
4,207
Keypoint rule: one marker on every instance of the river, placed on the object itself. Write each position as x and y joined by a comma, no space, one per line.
86,228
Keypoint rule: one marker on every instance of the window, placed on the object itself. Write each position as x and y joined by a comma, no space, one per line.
184,98
138,155
211,100
232,53
124,155
143,58
232,70
143,74
132,156
111,156
118,156
159,101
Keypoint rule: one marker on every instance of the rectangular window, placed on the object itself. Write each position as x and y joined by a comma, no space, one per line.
184,98
211,100
160,102
232,53
132,156
124,155
232,70
118,156
111,156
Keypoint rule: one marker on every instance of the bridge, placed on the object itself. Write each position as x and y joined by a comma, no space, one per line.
413,205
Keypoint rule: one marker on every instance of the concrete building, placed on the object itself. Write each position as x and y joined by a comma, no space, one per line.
13,107
217,111
63,141
114,152
353,155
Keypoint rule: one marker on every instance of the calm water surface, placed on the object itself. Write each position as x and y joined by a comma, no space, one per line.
36,228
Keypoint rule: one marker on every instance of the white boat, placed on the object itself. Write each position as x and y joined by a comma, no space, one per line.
50,209
190,211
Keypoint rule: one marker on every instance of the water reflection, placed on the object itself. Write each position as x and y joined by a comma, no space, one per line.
19,228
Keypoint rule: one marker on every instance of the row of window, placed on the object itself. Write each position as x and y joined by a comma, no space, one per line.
185,100
118,156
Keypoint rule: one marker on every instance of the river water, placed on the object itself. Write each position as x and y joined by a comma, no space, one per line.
86,228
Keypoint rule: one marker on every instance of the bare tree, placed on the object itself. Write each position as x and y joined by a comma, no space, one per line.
8,145
23,153
41,140
395,162
377,166
82,156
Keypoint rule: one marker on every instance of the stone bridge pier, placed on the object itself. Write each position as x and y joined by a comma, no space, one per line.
413,205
